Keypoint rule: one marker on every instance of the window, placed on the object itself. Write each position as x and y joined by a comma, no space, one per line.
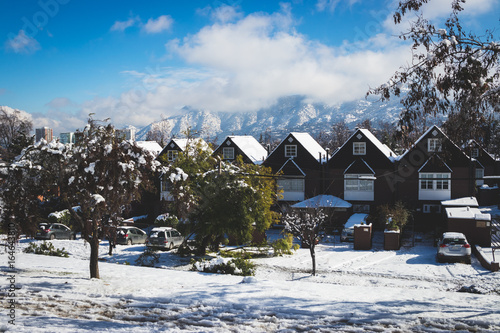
290,151
291,185
361,209
435,181
357,183
228,153
434,145
479,177
359,148
432,209
475,152
172,155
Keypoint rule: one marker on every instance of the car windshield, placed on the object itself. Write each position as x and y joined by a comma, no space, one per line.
454,241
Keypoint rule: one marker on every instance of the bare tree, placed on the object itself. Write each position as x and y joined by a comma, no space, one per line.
14,131
306,226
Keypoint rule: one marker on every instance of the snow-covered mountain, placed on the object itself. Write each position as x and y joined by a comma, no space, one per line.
292,113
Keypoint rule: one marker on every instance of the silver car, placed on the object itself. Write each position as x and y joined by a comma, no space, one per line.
130,235
54,231
165,238
453,246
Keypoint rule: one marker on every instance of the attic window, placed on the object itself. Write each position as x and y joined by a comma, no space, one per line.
475,152
172,155
290,151
228,153
433,145
359,148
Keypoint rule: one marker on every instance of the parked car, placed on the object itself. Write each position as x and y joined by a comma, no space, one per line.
54,231
453,246
165,238
347,234
130,235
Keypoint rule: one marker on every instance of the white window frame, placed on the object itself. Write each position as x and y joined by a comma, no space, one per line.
434,186
357,188
479,176
359,148
292,188
290,150
228,153
474,152
434,145
172,155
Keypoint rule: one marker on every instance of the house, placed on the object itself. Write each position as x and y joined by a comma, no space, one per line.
176,146
150,146
245,146
485,163
361,172
432,170
170,153
298,160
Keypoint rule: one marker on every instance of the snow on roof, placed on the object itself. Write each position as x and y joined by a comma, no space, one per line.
467,213
461,202
250,147
382,147
182,143
150,146
323,201
311,145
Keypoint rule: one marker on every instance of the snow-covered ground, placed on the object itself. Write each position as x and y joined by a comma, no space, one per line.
354,291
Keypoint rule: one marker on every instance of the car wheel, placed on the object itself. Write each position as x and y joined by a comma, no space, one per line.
467,260
170,246
52,237
129,242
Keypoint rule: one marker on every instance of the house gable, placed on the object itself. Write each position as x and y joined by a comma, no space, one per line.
245,146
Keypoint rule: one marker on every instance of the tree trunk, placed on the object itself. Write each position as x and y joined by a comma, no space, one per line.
94,257
313,257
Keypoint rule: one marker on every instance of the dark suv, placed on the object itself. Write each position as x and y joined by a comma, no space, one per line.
54,231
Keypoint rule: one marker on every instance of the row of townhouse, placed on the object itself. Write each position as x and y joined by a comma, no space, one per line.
367,173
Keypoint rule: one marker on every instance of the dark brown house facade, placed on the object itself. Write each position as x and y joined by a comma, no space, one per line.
298,160
361,172
245,146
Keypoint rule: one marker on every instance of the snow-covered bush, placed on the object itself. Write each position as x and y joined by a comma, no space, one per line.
62,216
148,258
219,265
47,249
167,220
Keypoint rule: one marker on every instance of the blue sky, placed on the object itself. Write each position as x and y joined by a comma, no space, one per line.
139,61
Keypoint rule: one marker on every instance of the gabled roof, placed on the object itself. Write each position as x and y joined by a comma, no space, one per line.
182,144
380,146
249,146
359,166
151,146
323,201
431,129
309,144
295,166
435,164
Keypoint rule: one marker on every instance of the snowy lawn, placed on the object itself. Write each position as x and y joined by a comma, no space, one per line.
354,291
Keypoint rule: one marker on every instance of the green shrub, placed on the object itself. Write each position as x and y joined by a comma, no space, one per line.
167,220
237,266
63,216
284,245
47,249
148,258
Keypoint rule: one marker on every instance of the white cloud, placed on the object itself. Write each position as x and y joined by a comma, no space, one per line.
123,25
22,43
225,14
158,25
331,5
249,64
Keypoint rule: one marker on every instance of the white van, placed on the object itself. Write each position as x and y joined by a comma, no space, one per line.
347,234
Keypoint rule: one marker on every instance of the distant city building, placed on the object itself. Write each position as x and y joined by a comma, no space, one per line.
67,137
43,133
126,133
